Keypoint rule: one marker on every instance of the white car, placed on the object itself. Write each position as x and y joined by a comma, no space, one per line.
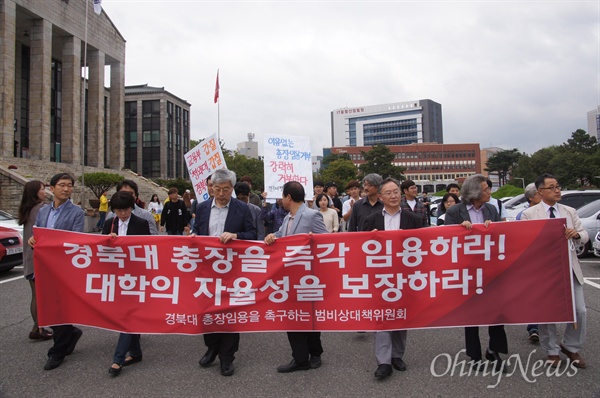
590,220
8,221
596,245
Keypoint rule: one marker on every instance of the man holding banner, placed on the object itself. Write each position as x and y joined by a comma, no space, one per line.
390,345
228,219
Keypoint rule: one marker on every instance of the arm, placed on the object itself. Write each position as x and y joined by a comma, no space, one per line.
336,223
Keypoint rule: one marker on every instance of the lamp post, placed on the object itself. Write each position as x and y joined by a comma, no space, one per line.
522,180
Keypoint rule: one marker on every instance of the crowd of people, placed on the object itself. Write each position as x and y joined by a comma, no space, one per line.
374,203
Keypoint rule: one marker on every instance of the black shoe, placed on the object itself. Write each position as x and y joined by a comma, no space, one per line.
53,363
132,360
75,336
209,357
495,361
292,367
115,371
383,371
315,362
478,365
398,364
227,369
534,335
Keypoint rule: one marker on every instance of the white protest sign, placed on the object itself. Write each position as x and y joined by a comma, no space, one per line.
287,158
202,161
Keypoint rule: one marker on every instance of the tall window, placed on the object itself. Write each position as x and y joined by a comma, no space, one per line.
186,138
151,138
106,143
131,135
170,123
55,111
24,120
178,154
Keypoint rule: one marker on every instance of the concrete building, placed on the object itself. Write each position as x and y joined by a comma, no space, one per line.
430,166
156,142
42,51
593,119
400,123
248,148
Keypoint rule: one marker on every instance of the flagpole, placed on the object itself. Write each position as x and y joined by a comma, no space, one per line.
217,94
82,109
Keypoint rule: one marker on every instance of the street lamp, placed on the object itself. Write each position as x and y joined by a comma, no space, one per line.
522,180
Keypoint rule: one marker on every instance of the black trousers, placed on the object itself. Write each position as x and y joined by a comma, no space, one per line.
226,344
62,338
304,345
498,341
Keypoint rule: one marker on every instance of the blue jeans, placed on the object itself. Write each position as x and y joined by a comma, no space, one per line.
127,342
101,220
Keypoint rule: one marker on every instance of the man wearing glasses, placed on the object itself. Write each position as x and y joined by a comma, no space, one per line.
574,335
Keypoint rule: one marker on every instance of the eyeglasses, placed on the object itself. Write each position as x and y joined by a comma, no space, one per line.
390,193
553,188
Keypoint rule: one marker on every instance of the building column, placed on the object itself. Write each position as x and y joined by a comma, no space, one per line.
7,77
116,144
95,144
72,129
40,90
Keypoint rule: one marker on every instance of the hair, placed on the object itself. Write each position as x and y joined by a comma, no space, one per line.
222,176
61,176
186,200
295,190
247,179
489,182
372,179
318,183
130,184
445,199
122,200
530,191
155,196
242,188
541,179
471,188
452,185
387,180
406,184
318,199
29,200
173,190
353,184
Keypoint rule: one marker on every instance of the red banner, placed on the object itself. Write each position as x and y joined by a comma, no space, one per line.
432,277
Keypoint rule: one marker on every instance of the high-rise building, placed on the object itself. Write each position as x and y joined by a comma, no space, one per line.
400,123
157,132
593,119
248,148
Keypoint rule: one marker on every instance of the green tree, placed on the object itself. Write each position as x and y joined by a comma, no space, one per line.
379,160
245,166
100,182
503,163
341,171
180,183
332,157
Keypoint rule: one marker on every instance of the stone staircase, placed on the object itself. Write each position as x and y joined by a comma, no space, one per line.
13,179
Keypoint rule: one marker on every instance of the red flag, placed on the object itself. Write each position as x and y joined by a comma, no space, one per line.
217,88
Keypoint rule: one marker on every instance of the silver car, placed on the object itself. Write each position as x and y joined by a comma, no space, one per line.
590,220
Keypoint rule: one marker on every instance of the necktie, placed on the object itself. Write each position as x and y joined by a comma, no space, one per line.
552,213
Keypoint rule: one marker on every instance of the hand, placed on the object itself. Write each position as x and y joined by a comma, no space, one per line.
113,235
227,236
162,228
264,195
186,230
31,241
351,203
487,223
270,239
467,224
571,233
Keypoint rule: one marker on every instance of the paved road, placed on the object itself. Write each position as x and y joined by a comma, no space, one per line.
170,367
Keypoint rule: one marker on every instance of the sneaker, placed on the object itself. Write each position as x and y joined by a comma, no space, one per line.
533,335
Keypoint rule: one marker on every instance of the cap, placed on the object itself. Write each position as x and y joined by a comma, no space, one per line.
330,184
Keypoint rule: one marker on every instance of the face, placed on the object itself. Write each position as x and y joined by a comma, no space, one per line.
123,214
332,191
243,198
286,202
209,187
537,198
370,189
353,192
223,192
42,193
486,192
390,195
411,193
318,189
127,188
324,202
62,190
279,202
174,197
550,191
449,202
455,191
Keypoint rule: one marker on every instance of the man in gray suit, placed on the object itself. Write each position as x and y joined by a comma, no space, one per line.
306,346
61,214
390,345
574,336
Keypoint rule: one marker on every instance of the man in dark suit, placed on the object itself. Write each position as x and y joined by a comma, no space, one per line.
61,214
475,209
125,223
306,346
390,345
227,218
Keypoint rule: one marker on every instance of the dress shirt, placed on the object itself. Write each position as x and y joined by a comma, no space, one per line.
123,226
547,208
53,215
475,215
218,215
392,221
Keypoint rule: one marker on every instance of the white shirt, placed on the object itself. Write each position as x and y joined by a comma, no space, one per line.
123,226
391,221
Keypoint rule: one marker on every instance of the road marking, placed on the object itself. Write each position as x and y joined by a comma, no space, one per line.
589,282
21,277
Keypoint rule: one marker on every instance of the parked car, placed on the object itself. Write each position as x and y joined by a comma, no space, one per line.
8,221
506,199
574,199
11,249
435,202
596,245
590,220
